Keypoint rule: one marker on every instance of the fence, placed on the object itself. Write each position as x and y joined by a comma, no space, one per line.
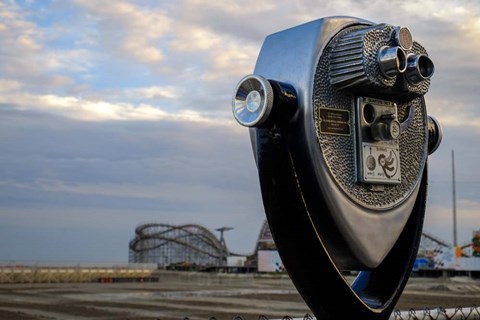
51,273
459,313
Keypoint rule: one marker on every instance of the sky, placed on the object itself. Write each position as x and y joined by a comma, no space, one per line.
117,113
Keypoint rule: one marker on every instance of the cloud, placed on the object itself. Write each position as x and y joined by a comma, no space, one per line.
192,38
9,85
154,92
57,173
439,221
131,30
28,56
98,110
17,33
20,41
454,112
77,61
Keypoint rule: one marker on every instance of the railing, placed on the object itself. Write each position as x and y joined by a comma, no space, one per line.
56,273
459,313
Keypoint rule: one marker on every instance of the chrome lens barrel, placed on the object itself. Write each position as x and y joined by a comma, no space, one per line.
392,61
252,101
419,68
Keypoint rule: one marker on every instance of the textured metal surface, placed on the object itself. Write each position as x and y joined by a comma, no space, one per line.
361,45
292,56
319,225
339,151
354,61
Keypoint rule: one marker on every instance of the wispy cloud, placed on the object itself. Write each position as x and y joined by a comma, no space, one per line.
131,30
17,33
454,112
154,92
92,110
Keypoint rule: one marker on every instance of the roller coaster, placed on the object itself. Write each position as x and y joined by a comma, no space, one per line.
169,245
194,247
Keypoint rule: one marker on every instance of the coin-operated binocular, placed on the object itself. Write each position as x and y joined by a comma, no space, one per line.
341,137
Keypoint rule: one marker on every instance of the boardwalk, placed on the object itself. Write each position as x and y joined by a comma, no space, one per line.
199,296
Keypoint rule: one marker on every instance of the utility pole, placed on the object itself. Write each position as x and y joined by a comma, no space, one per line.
455,243
223,246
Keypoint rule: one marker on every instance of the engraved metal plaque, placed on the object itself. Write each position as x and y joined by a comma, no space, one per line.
334,121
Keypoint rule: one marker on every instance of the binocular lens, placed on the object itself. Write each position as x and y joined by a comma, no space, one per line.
392,61
419,68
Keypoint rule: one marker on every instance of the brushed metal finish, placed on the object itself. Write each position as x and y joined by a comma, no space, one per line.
392,61
435,134
252,101
419,68
292,56
323,220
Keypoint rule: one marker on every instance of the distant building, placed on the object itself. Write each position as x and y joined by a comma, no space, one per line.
266,253
265,239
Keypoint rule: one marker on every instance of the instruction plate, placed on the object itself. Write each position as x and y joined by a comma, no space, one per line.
381,163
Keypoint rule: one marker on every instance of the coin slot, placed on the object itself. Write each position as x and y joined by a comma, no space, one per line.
368,113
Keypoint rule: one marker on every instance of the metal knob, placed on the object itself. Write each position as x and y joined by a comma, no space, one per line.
435,134
386,130
252,101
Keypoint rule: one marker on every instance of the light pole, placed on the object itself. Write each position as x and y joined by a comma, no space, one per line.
455,242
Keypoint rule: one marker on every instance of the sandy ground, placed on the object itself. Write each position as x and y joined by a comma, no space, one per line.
201,296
